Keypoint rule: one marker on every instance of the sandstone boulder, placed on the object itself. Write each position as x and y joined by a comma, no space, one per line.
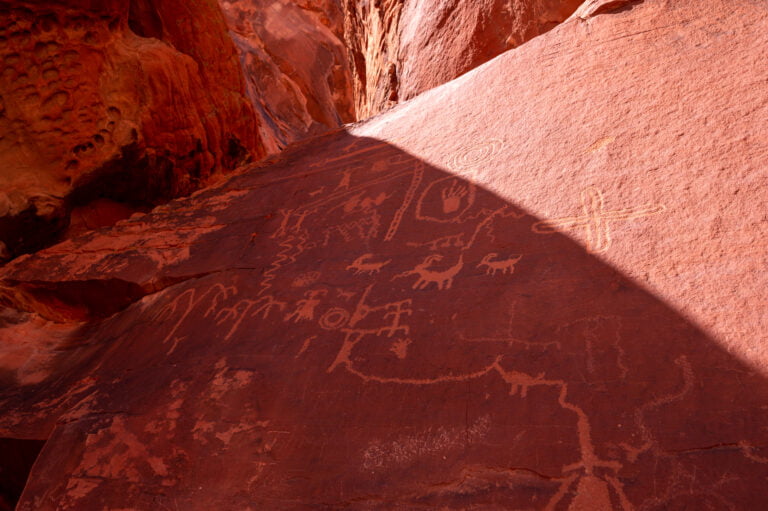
134,102
296,66
539,286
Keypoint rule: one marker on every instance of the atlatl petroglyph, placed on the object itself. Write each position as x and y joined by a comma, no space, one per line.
237,313
595,220
492,264
187,301
363,264
427,275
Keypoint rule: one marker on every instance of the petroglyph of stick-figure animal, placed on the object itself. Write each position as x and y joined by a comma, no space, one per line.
363,264
305,309
427,275
452,196
492,264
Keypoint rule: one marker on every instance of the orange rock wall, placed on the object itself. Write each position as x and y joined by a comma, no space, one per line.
137,103
400,48
296,65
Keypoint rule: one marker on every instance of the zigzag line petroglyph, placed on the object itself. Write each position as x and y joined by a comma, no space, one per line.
418,175
284,257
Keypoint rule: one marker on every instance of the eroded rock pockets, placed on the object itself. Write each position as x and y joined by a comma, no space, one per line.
114,103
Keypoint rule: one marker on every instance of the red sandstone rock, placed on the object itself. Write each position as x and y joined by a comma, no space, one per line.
137,104
402,48
540,286
296,65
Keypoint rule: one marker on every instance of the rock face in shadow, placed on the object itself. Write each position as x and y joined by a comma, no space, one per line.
136,102
296,65
402,48
540,286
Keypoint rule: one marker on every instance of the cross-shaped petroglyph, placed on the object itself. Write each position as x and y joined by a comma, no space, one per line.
595,220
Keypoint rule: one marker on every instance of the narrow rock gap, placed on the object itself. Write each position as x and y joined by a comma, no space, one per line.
16,462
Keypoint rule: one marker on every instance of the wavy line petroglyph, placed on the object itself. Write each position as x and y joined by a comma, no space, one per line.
237,313
595,220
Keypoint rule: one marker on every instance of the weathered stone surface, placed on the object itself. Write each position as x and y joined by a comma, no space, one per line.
400,48
540,286
136,102
296,65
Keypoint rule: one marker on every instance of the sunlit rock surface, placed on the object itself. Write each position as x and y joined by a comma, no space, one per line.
402,48
539,286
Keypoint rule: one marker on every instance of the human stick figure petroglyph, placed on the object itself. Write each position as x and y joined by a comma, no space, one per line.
595,220
443,279
492,264
363,264
305,309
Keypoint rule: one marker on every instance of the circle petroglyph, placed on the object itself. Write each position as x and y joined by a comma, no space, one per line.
472,158
334,318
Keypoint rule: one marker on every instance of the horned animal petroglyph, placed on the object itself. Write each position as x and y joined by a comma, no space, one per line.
492,264
427,276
